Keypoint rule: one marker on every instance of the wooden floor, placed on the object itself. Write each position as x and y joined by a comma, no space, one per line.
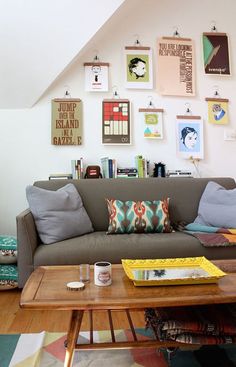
13,319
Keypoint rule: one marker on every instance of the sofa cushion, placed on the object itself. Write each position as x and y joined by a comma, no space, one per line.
8,249
217,207
97,246
138,216
58,214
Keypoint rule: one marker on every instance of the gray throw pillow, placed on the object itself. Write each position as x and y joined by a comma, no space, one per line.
217,207
58,214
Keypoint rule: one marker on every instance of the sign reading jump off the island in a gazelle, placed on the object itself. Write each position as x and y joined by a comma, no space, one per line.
66,121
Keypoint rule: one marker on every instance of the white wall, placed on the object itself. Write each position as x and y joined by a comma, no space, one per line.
39,39
26,152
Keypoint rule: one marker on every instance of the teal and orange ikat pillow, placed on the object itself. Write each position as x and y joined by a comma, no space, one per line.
138,216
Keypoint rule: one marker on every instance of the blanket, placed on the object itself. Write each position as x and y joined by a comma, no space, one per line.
211,236
208,324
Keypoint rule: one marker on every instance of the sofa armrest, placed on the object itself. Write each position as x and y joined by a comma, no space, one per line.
27,238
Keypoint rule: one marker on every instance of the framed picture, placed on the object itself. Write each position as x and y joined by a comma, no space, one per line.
218,111
216,53
138,67
189,136
96,76
66,126
116,121
153,122
176,66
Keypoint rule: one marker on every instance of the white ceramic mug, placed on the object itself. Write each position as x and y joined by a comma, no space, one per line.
102,273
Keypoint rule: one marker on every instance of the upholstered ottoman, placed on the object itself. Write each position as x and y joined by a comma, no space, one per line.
8,263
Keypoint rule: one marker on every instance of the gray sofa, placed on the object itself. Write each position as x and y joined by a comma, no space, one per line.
184,194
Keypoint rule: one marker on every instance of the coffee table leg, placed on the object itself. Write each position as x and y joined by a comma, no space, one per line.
73,332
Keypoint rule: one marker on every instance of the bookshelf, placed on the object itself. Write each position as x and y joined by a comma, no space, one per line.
109,169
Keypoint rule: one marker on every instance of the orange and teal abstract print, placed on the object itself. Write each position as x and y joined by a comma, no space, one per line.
138,216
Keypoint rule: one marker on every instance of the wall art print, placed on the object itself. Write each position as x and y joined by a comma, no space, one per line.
152,119
66,126
175,66
218,111
216,53
189,136
116,121
138,67
96,76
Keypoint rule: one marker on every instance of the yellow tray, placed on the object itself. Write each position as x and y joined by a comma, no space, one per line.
188,270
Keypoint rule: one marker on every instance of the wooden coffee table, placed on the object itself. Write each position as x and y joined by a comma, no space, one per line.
46,290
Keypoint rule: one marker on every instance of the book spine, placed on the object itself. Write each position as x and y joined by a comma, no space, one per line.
127,176
127,170
81,167
78,169
140,167
148,168
73,170
110,168
105,170
114,168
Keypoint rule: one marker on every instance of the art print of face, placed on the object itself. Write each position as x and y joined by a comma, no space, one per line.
190,140
189,137
137,66
140,69
96,69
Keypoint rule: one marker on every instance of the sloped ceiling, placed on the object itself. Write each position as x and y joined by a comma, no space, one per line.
38,39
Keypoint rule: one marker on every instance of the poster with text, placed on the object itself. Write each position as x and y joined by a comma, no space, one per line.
218,111
189,137
153,122
66,127
216,53
175,66
138,67
96,76
116,121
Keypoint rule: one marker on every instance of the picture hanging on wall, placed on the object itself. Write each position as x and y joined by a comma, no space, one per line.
153,122
138,67
218,110
66,126
216,53
176,66
189,136
116,121
96,76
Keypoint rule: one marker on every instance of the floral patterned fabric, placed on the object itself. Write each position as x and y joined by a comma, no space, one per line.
8,249
138,216
8,277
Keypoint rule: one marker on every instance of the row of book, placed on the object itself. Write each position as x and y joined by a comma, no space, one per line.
127,172
109,167
142,166
110,170
77,168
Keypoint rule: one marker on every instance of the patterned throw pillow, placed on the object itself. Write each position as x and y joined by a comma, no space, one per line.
138,216
8,249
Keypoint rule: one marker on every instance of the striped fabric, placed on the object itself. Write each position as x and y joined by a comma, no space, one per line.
212,236
208,324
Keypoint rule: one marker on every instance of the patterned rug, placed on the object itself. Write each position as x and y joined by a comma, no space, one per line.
47,350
